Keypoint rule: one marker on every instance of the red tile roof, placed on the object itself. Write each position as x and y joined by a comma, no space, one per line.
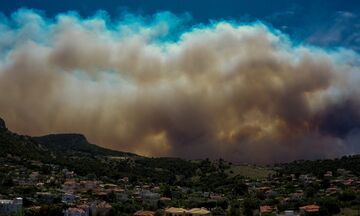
266,209
310,208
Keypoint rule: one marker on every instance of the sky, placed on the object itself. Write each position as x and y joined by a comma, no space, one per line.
320,22
240,80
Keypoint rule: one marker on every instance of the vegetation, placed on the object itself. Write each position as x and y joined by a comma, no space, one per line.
320,167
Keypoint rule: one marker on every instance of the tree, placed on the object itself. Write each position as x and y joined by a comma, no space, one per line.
159,213
310,191
240,189
8,182
347,195
329,206
224,204
234,209
250,204
166,191
218,212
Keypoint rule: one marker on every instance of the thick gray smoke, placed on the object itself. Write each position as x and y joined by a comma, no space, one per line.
242,92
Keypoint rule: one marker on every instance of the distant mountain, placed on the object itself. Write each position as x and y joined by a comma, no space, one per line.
56,144
75,144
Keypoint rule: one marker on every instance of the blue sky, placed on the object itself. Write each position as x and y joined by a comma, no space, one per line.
320,22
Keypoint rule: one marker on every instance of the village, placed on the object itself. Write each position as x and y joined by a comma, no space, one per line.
49,189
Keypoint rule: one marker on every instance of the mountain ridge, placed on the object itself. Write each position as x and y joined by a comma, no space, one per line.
73,142
58,144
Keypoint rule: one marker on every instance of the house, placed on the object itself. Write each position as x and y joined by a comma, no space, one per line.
165,199
183,212
297,196
124,180
11,206
101,209
309,210
69,174
332,191
206,194
88,185
144,213
150,197
328,175
68,198
75,212
70,186
175,212
45,197
85,207
288,213
155,189
34,176
266,210
198,211
121,195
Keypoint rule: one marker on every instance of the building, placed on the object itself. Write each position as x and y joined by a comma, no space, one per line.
68,198
144,213
11,206
101,209
45,197
198,212
184,212
70,186
34,176
288,213
75,212
150,197
85,207
309,210
266,210
175,212
121,195
89,185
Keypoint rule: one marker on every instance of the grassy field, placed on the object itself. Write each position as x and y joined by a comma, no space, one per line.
250,171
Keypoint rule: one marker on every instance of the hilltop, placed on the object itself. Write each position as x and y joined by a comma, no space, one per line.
76,144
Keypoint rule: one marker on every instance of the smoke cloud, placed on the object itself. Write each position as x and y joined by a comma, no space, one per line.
243,92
